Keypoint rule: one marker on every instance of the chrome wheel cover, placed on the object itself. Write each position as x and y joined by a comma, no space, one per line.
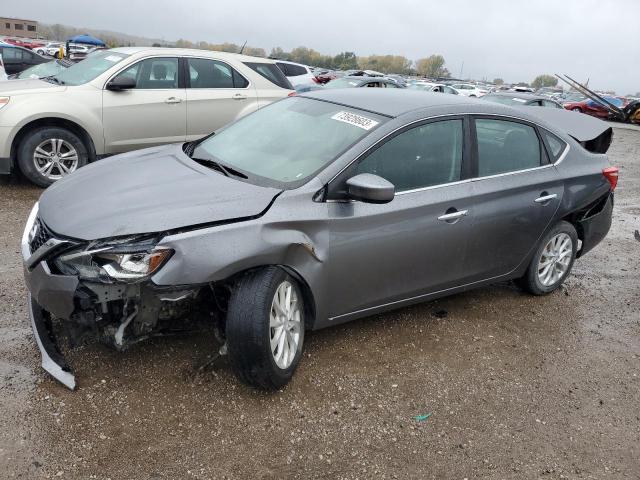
55,158
555,259
285,321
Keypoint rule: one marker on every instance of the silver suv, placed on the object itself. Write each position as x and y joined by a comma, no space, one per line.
124,99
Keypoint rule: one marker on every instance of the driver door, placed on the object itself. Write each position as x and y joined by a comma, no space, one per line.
415,244
152,113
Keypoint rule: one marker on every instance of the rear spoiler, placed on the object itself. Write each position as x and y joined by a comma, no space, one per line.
593,134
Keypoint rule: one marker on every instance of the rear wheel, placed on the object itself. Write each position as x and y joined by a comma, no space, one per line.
50,153
552,261
265,328
576,109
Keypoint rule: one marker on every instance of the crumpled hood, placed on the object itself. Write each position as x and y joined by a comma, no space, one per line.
151,190
28,85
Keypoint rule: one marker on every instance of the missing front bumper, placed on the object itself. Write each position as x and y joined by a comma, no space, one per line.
52,360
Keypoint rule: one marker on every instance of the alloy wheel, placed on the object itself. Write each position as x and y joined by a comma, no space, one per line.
55,158
555,259
285,324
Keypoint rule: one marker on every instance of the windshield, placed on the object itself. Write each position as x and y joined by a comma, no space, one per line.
89,68
289,140
42,70
342,83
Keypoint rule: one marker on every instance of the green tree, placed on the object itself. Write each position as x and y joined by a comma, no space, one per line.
498,81
544,81
345,61
432,66
279,53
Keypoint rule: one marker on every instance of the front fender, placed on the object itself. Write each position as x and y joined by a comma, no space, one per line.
83,108
217,253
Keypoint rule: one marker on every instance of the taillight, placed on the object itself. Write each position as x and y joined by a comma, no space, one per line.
292,94
611,174
315,79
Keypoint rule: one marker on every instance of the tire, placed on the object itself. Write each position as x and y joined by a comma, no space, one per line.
249,332
576,109
533,280
40,140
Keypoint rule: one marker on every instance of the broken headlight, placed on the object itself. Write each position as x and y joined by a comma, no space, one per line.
120,262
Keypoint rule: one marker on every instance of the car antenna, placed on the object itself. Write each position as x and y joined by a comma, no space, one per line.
243,45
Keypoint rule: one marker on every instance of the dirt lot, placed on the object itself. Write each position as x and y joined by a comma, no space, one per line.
517,387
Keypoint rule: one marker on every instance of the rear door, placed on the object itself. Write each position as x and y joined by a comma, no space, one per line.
415,244
516,192
217,94
152,113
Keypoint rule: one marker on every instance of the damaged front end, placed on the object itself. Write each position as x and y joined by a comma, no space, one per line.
102,290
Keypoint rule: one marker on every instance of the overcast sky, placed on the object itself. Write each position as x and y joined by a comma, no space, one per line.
512,39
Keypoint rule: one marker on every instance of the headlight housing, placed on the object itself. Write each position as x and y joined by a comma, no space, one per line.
119,262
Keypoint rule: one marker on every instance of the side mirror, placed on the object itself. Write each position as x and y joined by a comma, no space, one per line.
370,188
121,83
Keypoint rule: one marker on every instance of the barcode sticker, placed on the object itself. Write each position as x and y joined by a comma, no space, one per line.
355,120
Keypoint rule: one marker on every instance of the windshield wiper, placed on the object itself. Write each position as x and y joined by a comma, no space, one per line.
225,169
53,79
211,164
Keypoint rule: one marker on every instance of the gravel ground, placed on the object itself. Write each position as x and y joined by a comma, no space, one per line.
515,386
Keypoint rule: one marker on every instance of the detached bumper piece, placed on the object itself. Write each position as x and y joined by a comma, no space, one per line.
52,360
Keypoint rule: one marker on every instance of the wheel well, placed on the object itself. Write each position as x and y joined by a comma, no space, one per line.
310,305
53,122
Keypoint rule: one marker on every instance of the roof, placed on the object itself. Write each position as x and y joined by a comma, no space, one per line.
387,101
188,52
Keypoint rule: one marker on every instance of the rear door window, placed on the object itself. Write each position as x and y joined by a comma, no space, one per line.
505,146
204,73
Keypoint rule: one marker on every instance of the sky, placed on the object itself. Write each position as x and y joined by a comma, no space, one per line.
512,39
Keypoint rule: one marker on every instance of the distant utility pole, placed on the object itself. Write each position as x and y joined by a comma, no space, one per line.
461,68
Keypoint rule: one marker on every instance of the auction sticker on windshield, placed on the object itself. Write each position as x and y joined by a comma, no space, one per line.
355,120
113,58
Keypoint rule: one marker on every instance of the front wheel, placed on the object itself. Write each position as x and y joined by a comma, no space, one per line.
50,153
552,261
265,328
576,109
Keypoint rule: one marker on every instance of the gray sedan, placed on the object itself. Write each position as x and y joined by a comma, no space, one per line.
316,210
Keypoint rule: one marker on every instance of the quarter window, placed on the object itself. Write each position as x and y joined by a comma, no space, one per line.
295,70
556,146
154,73
214,74
423,156
505,146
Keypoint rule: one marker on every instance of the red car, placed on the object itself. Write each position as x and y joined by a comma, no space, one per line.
594,109
30,44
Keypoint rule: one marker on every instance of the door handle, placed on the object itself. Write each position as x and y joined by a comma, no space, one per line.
546,198
239,96
447,217
173,100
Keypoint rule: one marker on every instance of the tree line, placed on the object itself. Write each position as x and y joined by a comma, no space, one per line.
432,66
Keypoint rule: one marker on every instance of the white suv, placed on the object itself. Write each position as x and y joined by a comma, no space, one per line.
127,98
297,73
